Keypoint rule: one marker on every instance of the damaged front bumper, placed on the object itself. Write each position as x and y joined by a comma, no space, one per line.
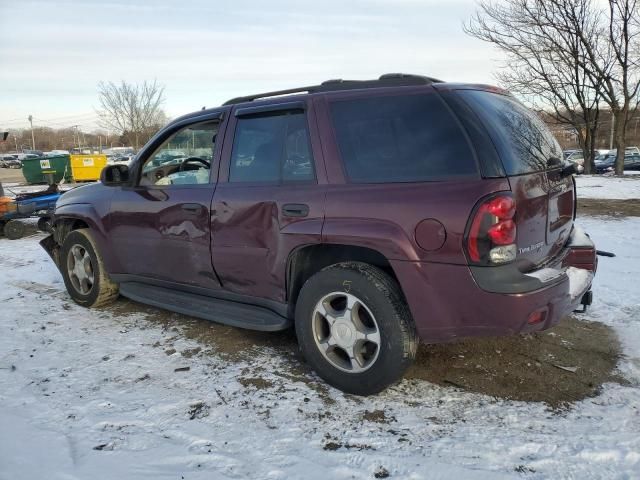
52,248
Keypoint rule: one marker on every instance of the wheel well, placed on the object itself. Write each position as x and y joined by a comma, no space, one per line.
66,225
307,261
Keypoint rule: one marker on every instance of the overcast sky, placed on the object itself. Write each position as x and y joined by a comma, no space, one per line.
53,53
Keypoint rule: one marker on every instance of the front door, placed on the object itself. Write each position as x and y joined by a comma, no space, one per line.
160,226
270,198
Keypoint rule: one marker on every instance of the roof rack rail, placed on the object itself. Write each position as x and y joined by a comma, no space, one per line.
386,80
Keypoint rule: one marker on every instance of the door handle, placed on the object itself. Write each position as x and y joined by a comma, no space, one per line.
191,207
295,210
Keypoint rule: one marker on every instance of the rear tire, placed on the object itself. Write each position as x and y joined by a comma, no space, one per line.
354,328
83,271
14,229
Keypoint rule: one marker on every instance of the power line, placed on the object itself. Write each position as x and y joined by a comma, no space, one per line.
53,120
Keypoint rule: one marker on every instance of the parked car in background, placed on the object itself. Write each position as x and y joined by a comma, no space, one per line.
606,163
575,157
55,153
10,161
169,157
632,162
627,151
36,153
366,214
123,159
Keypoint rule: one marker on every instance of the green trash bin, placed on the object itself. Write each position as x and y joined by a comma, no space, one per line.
47,169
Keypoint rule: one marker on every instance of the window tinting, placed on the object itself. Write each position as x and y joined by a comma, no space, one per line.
409,138
271,148
524,142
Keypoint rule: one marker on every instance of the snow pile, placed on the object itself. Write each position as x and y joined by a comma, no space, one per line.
579,280
608,187
13,189
106,394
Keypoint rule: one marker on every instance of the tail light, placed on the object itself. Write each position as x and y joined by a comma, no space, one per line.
491,238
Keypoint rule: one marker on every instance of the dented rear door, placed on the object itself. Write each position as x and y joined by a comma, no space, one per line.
270,199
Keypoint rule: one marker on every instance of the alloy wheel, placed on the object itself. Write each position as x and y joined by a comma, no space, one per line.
346,332
80,269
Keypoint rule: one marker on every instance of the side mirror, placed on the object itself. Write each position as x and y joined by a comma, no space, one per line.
115,175
568,169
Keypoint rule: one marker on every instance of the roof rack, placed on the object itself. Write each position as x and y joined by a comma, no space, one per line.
386,80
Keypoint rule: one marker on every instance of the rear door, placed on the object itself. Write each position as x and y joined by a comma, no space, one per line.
270,198
532,160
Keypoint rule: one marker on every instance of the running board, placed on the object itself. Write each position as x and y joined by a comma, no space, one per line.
231,313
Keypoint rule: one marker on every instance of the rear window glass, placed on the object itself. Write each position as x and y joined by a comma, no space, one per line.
409,138
524,142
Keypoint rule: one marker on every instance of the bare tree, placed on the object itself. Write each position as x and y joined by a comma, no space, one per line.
545,45
131,110
621,78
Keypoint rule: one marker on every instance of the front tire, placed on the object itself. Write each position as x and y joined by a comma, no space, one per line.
44,224
83,270
354,328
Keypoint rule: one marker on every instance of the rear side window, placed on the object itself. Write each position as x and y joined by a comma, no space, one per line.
272,148
409,138
524,142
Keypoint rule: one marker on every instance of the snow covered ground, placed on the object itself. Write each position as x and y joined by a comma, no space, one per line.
95,395
608,187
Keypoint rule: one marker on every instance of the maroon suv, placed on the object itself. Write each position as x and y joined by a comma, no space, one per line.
368,214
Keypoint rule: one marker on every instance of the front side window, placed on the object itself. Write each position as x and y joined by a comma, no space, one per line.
184,158
271,149
408,138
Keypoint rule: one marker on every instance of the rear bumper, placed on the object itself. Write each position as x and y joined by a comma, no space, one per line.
447,302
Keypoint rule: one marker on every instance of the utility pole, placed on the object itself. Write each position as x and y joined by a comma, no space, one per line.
33,138
75,133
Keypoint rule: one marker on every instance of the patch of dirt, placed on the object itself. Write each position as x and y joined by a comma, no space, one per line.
537,367
198,410
612,208
257,382
190,352
381,472
333,444
377,416
11,175
230,343
527,368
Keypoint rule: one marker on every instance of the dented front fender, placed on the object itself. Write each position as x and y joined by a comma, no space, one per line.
52,248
